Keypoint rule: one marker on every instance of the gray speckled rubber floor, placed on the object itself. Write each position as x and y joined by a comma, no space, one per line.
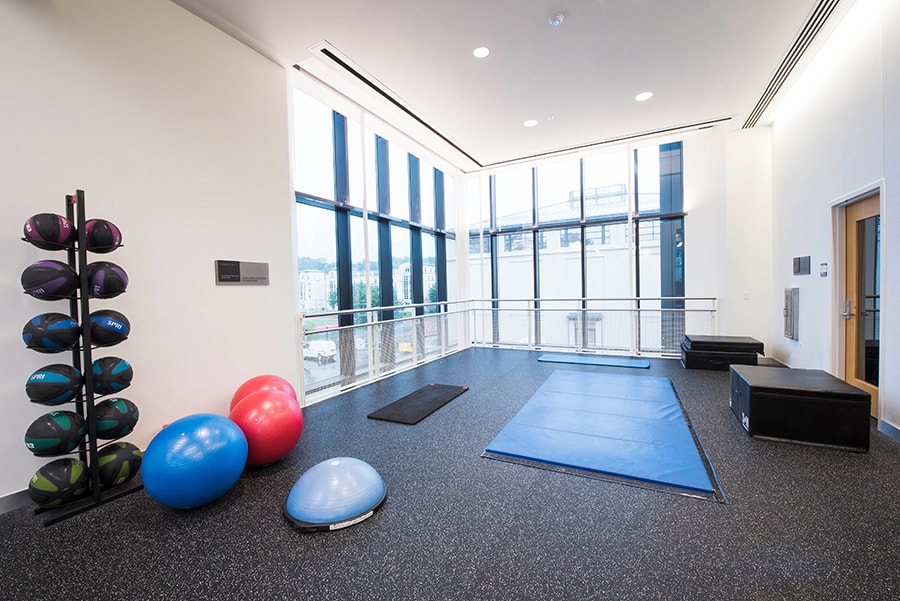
802,522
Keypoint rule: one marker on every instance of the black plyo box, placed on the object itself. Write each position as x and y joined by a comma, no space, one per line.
800,405
721,361
723,344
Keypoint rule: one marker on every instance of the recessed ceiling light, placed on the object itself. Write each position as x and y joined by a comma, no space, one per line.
481,52
556,19
644,96
530,123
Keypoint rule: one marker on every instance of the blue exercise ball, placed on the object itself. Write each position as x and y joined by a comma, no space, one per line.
334,494
194,460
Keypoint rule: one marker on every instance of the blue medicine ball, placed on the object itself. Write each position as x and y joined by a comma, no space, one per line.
194,460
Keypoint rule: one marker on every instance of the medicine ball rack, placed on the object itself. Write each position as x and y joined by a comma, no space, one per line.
82,361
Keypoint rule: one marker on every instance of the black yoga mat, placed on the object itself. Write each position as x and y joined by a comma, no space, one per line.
418,405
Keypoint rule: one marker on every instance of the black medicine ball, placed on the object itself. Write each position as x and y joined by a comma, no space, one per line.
49,231
51,333
108,327
101,236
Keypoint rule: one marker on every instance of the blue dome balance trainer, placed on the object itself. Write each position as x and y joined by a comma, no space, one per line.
334,494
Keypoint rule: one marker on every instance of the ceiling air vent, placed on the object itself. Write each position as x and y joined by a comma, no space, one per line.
811,29
335,57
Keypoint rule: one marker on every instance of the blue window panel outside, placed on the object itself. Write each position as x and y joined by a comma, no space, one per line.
382,176
671,191
341,162
439,217
415,190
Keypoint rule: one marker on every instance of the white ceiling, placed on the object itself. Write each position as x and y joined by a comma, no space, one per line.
706,61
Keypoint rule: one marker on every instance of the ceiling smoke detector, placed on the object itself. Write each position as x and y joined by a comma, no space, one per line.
556,19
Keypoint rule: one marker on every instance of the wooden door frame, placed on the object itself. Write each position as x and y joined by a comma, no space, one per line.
839,225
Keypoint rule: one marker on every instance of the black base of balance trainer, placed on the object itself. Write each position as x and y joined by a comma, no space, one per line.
800,405
719,352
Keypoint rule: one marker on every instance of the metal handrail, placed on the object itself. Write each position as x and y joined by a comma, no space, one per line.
376,348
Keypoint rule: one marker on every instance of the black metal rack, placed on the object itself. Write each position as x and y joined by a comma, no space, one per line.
82,360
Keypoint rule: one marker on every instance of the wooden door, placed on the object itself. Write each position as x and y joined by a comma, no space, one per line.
862,303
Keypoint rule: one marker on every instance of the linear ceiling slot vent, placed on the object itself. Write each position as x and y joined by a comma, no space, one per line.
332,54
810,30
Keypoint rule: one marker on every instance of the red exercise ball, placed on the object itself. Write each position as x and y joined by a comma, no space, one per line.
272,422
264,382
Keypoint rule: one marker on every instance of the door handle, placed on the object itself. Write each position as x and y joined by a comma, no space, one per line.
847,314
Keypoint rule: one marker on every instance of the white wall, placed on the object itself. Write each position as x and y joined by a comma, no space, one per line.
890,322
179,135
728,241
704,203
748,295
836,133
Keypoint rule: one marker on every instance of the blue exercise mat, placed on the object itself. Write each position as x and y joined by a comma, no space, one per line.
604,360
626,428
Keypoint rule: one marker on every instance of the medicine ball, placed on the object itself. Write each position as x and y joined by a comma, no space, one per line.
108,327
55,433
51,333
49,231
49,280
115,418
118,463
53,384
58,482
111,374
105,279
101,236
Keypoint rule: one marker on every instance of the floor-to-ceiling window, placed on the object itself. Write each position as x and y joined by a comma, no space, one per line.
559,251
660,243
372,232
512,242
596,243
477,267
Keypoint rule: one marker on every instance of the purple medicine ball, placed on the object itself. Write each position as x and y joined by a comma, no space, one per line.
49,280
49,231
105,279
101,236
